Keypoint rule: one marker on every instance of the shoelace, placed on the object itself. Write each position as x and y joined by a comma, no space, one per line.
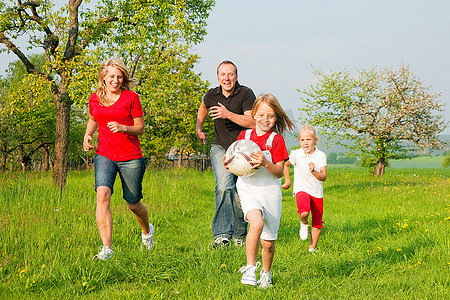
265,275
247,267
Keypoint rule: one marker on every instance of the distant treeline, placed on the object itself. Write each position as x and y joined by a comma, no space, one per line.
340,158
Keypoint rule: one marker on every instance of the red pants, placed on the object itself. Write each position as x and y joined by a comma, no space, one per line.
306,203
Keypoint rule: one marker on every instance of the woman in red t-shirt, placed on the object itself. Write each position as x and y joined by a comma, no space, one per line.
117,113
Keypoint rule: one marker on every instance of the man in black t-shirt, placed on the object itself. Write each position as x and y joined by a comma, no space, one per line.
230,105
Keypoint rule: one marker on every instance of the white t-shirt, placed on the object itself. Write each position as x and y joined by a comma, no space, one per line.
304,181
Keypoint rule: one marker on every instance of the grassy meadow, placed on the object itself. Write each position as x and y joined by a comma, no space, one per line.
421,162
383,238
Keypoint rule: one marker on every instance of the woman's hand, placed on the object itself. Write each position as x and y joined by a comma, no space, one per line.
86,145
116,127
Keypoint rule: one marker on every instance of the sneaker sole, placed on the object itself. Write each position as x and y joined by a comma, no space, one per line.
249,282
98,258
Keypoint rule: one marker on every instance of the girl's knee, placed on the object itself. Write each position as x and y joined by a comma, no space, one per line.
255,217
268,245
256,225
304,214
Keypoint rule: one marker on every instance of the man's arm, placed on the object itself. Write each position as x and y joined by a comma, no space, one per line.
201,117
221,112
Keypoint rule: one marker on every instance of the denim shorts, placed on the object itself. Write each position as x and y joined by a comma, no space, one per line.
131,174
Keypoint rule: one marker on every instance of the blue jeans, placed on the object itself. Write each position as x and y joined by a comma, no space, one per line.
131,174
228,218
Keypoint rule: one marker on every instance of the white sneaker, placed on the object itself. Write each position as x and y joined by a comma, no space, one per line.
249,274
265,280
105,253
312,250
303,231
147,240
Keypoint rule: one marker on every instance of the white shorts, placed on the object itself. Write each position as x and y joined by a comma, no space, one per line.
265,197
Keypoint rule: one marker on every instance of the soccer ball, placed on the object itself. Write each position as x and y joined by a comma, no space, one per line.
238,157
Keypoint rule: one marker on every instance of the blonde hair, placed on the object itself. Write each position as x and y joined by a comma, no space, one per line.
282,122
101,86
311,129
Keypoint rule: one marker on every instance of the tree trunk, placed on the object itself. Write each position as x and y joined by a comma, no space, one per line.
24,159
379,168
63,106
3,163
46,162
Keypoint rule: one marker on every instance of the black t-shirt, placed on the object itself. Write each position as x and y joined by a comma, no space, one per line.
226,131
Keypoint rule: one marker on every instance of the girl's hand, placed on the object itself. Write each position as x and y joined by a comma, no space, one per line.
311,167
225,163
116,127
258,159
286,185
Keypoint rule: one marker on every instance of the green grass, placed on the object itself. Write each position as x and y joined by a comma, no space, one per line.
434,162
383,238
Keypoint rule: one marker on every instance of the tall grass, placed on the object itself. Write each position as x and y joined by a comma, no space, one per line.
382,238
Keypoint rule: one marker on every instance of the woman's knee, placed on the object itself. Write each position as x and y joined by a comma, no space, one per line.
136,206
103,194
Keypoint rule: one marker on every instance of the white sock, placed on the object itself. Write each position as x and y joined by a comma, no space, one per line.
145,236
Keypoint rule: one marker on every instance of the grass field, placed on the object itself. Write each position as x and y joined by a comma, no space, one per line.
383,238
423,162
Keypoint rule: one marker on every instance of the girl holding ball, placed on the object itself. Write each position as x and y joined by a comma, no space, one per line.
260,193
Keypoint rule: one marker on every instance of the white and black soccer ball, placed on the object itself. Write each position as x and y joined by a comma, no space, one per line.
238,157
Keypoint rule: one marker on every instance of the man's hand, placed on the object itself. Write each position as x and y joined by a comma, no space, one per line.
219,112
201,135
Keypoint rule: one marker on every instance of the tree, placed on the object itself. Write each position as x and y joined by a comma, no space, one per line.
171,93
27,114
385,114
75,39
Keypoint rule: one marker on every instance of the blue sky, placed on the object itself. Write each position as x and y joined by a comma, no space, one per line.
276,43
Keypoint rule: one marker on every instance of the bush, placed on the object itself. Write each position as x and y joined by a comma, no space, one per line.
446,162
368,161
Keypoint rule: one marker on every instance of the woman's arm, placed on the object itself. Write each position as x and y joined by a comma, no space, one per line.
91,127
136,129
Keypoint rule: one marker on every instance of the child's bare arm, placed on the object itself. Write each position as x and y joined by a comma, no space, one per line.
275,169
321,175
287,175
260,160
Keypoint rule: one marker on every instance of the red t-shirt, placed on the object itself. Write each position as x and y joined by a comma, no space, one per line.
117,146
278,150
